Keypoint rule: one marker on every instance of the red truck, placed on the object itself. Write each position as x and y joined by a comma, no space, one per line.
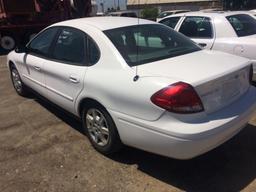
21,19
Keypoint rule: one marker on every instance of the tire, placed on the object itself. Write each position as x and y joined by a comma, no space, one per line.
8,43
101,129
17,83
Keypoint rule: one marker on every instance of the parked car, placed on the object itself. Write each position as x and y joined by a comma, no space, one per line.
170,12
211,10
231,32
123,14
142,85
253,12
100,14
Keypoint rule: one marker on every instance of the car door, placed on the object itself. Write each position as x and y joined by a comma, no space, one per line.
37,53
199,29
65,72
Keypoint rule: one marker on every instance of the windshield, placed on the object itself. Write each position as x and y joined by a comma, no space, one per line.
244,25
142,44
164,14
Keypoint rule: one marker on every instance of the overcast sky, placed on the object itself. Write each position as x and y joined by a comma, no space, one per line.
111,3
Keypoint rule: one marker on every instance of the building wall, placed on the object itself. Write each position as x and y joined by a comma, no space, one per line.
193,6
111,4
239,5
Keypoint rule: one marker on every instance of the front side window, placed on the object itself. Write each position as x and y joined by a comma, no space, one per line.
70,46
197,27
42,43
243,24
142,44
170,22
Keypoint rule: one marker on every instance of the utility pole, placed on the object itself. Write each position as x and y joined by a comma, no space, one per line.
102,6
115,4
118,5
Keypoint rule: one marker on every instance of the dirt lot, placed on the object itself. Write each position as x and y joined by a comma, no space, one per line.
42,149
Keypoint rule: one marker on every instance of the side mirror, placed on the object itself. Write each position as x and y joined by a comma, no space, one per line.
21,49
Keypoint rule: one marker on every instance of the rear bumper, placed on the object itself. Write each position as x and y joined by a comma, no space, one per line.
186,139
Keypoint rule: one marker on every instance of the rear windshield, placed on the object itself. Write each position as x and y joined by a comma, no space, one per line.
142,44
243,24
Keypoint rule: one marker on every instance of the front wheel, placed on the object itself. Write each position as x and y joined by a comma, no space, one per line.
101,129
18,85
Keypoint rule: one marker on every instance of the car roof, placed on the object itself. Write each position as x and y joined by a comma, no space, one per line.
104,23
209,13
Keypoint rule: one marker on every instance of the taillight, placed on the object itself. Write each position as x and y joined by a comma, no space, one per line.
178,98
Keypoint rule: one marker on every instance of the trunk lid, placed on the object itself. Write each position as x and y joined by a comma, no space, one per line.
218,78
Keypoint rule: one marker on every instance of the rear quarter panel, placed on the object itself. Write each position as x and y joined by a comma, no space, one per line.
110,82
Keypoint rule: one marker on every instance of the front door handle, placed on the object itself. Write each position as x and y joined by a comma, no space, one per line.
73,79
202,44
37,68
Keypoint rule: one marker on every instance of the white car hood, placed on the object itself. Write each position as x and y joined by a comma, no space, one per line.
195,68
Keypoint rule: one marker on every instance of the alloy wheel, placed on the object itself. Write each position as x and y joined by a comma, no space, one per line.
16,80
97,126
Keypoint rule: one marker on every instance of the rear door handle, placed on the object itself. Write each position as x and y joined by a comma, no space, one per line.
73,79
37,68
202,44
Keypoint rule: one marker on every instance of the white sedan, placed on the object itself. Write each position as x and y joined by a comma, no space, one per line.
231,32
138,83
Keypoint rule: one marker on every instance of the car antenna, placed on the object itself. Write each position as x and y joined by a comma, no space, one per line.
136,77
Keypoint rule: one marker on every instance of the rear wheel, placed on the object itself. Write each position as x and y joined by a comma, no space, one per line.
101,129
18,85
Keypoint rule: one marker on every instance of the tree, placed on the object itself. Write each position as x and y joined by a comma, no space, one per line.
149,13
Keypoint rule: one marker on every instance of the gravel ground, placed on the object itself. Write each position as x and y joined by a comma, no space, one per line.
42,149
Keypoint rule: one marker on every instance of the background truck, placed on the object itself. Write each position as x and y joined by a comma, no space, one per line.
21,20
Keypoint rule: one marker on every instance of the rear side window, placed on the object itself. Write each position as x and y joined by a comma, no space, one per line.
70,46
243,24
197,27
170,22
41,44
93,52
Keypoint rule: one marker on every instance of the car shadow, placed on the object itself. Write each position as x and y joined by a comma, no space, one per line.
65,116
230,167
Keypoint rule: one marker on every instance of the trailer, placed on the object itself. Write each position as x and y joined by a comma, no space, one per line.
21,20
